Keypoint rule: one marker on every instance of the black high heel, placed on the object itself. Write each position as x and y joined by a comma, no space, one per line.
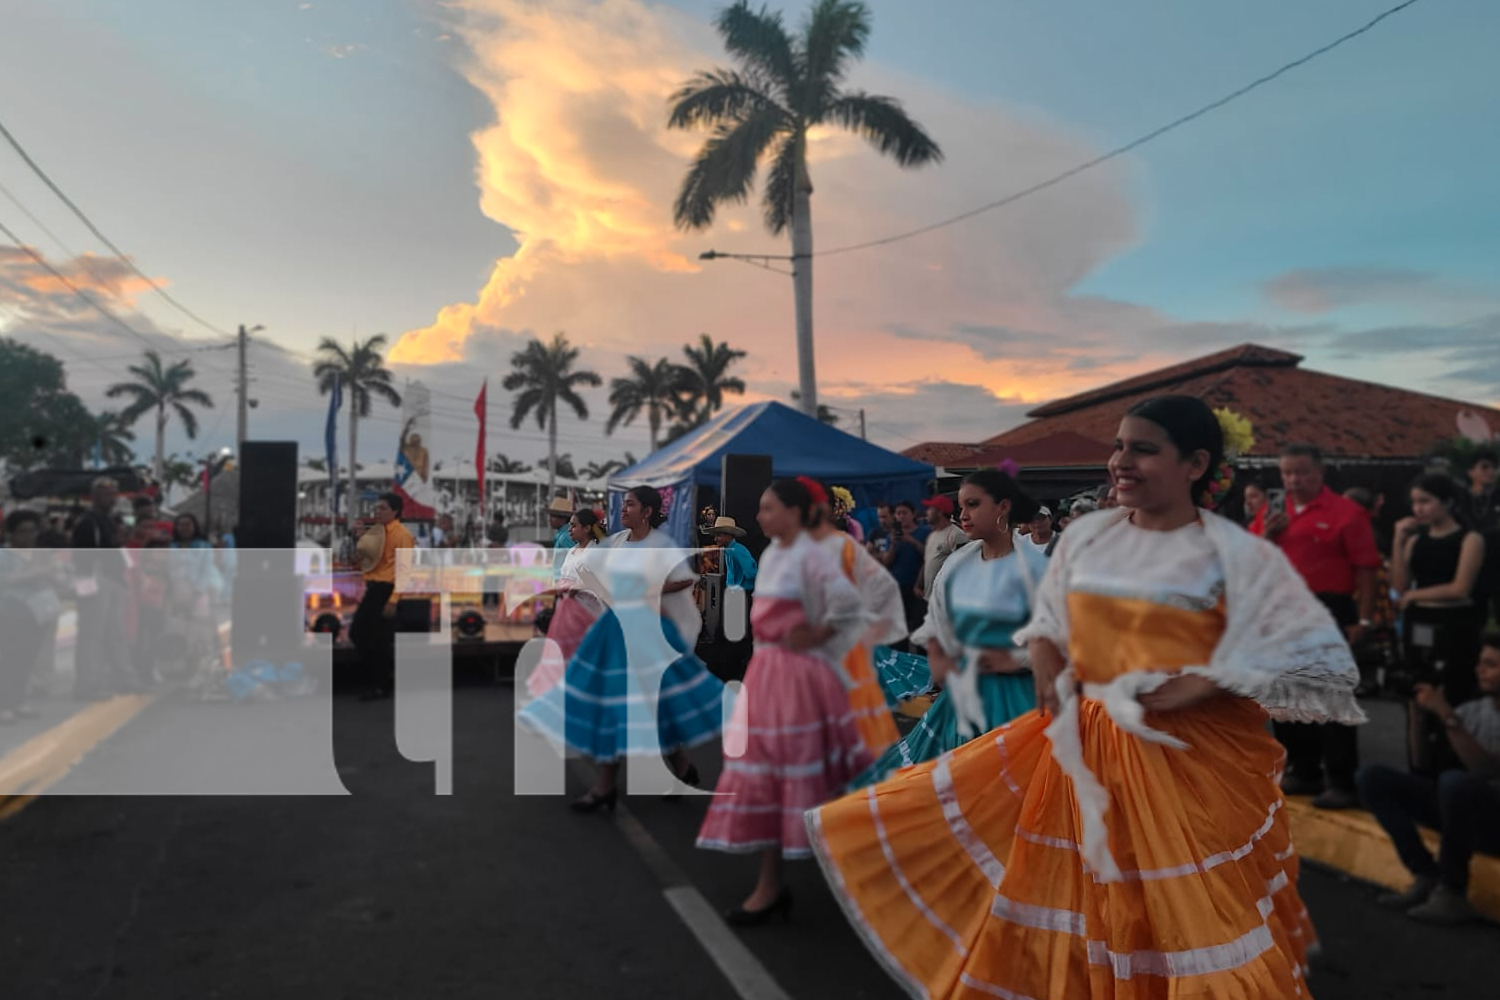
782,904
594,801
687,777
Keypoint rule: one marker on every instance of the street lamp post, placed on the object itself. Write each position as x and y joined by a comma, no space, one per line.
801,275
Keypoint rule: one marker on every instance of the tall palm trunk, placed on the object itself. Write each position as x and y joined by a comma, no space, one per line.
802,284
655,425
552,453
349,501
159,463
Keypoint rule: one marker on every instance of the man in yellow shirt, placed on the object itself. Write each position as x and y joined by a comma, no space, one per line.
372,631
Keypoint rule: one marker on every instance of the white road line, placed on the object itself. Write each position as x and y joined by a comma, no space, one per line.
746,973
750,979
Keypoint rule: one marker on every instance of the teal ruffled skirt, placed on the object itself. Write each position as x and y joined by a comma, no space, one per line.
1005,696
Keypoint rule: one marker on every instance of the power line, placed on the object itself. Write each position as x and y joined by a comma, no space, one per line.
36,169
1128,147
83,261
108,314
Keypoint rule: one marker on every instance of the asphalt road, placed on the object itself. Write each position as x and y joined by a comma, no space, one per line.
394,892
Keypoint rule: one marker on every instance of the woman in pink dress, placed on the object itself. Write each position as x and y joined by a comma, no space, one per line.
577,607
792,743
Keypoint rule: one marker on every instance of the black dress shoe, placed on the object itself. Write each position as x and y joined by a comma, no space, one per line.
594,801
782,904
688,777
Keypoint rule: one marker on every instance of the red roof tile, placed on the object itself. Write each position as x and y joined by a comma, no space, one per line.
1285,403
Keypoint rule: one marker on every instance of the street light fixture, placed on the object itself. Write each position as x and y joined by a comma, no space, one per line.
801,276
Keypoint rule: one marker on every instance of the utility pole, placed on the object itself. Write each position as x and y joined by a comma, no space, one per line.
243,385
862,424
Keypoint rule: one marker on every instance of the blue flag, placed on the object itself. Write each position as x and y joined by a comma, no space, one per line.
330,438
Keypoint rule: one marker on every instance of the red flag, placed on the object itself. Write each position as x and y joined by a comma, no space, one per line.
482,412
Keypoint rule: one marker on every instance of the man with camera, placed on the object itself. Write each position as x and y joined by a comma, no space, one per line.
901,546
1463,803
1328,539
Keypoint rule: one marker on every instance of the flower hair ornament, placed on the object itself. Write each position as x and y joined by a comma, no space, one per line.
1239,437
814,489
1009,467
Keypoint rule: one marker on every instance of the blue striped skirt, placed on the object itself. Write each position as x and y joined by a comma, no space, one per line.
1005,696
632,688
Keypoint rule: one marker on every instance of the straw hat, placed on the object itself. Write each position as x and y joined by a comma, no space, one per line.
725,526
370,547
560,506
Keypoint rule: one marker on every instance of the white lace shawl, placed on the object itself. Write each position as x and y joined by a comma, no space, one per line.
1280,646
963,686
878,590
804,571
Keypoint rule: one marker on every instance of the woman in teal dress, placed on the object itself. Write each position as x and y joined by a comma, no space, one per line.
981,597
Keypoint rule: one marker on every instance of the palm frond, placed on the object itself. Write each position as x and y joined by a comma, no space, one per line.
760,41
834,32
781,186
725,168
189,419
883,123
717,95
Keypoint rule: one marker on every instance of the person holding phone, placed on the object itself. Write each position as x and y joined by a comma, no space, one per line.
1329,541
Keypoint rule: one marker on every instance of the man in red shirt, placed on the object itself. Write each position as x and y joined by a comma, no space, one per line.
1329,540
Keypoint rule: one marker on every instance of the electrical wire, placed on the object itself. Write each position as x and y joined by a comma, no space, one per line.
1119,151
36,169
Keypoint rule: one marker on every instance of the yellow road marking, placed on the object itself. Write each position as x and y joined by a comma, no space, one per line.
45,759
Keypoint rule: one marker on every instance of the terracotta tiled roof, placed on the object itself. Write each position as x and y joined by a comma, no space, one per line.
1062,449
1244,356
944,453
1345,417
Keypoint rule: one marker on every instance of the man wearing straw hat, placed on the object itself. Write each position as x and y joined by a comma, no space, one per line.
372,631
559,513
739,564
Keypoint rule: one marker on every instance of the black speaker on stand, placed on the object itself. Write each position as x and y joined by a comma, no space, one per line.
742,479
267,621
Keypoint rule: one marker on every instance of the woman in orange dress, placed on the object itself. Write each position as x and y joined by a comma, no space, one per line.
882,600
1127,839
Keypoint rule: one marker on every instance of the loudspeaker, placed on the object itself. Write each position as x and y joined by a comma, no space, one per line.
713,607
268,495
742,479
267,612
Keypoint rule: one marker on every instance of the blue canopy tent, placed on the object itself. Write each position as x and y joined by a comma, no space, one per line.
798,446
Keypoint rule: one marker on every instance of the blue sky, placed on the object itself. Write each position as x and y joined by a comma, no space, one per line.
346,167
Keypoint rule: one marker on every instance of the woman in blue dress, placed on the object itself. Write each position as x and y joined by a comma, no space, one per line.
634,687
981,598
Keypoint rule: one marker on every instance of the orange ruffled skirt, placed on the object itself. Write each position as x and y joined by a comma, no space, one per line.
872,714
964,874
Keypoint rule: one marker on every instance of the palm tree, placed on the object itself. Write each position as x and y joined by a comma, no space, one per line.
114,438
180,472
825,415
504,466
562,466
655,387
603,470
784,87
705,379
544,375
161,389
362,373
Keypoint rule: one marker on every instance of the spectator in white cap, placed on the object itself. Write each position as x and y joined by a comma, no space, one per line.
1041,534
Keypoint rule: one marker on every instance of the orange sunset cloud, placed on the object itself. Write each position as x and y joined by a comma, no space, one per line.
580,166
